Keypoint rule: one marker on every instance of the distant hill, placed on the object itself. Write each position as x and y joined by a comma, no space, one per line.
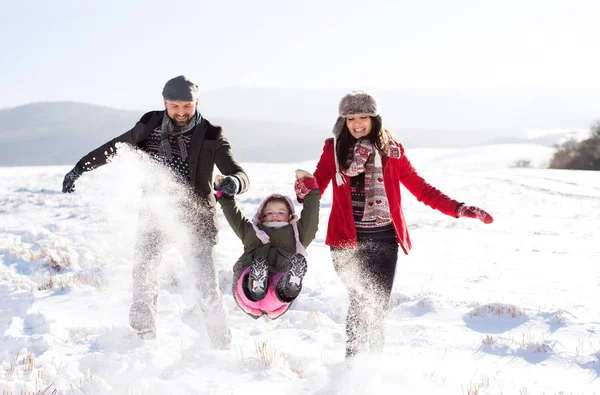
478,115
57,133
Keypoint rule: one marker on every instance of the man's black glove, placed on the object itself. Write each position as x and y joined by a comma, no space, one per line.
70,178
229,186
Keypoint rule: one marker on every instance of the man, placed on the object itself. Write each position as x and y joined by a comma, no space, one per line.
190,146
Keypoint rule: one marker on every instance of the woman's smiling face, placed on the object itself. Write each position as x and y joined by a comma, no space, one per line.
359,125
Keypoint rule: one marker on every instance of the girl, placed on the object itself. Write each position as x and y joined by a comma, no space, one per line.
366,223
268,276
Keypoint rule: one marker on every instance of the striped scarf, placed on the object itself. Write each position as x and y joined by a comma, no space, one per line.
367,159
168,128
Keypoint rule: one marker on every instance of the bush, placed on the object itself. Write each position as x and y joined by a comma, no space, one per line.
521,163
579,155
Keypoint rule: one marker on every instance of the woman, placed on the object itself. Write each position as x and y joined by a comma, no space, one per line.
366,223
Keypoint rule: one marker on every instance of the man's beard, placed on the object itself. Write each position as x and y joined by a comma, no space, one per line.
181,122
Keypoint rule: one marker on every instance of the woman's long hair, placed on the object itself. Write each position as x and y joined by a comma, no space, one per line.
345,141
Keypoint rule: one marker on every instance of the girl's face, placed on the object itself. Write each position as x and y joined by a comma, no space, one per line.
359,125
275,212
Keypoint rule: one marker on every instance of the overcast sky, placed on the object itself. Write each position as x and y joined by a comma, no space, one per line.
120,53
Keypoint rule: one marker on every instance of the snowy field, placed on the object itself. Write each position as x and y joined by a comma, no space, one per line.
507,308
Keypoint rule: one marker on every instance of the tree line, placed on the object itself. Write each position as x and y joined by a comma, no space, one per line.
579,155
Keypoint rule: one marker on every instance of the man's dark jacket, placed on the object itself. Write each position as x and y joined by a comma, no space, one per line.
208,147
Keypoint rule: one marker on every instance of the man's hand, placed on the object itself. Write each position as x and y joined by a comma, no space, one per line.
227,185
70,178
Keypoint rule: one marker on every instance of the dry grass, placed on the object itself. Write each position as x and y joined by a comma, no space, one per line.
529,343
19,251
425,303
295,367
56,262
46,284
54,258
475,388
284,323
53,261
496,309
472,389
270,356
25,366
558,316
315,316
585,345
84,382
485,381
67,281
27,363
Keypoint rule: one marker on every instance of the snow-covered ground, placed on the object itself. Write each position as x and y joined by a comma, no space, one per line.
506,308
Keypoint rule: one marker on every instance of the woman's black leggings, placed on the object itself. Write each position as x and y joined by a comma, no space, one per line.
368,274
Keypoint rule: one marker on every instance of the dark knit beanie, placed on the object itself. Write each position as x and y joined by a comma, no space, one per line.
180,88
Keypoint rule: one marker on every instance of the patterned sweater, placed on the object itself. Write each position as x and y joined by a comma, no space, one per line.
179,166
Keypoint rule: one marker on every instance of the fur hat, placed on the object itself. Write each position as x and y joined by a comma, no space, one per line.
355,102
358,102
180,88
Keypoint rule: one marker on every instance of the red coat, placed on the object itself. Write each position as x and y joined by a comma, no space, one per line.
341,231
